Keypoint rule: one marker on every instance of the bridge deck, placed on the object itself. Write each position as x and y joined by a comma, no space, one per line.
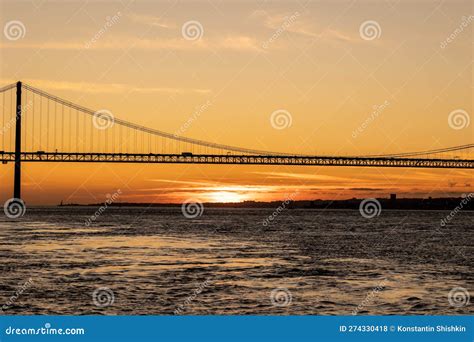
6,157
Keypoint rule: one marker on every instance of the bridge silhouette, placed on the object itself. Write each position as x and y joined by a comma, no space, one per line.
40,127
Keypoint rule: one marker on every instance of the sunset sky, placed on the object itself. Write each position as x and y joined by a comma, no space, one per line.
310,59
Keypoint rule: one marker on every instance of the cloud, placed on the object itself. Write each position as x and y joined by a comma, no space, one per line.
239,43
86,87
297,24
172,181
229,42
203,187
206,186
150,20
305,176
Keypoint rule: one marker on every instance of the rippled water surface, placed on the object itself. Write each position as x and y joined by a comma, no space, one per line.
156,261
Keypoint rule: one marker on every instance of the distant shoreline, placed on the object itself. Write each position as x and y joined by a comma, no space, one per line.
400,204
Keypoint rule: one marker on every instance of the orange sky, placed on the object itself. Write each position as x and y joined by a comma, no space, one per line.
311,60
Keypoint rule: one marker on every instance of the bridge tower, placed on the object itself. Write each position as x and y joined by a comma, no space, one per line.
17,177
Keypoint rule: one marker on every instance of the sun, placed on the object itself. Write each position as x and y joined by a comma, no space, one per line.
226,196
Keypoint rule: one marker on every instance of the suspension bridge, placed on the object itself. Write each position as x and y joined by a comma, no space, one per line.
40,127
